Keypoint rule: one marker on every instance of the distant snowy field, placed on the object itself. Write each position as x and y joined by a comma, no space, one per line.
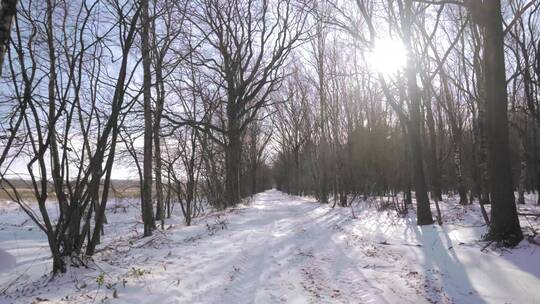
279,249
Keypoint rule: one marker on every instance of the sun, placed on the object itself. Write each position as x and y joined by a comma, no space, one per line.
388,56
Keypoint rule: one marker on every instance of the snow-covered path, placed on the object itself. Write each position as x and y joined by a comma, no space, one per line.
280,249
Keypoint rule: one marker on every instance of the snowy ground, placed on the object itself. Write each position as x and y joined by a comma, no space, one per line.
279,249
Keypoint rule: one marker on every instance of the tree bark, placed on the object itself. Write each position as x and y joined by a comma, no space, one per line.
424,216
233,156
8,9
504,225
323,144
147,210
462,190
160,211
522,173
433,160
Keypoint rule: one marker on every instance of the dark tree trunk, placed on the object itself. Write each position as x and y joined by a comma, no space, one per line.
480,130
323,143
160,212
522,173
233,157
147,208
476,174
8,9
482,149
435,175
408,196
296,183
254,177
253,158
462,190
536,158
504,225
169,189
424,216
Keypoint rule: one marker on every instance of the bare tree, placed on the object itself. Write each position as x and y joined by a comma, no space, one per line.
67,132
252,40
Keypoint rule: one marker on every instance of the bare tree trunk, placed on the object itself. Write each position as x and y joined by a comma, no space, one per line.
475,170
147,209
522,172
480,174
481,140
159,184
296,183
408,196
253,157
535,159
168,194
233,157
8,9
160,214
504,225
436,194
424,216
482,148
254,173
323,144
462,191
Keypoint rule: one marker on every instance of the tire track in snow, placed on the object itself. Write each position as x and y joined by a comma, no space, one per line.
323,269
250,271
331,277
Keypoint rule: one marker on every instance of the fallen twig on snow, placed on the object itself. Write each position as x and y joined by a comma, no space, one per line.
403,244
487,245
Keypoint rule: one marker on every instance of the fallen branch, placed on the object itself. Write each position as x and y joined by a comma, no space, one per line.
403,244
487,245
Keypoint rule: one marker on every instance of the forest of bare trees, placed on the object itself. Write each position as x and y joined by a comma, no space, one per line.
457,117
208,102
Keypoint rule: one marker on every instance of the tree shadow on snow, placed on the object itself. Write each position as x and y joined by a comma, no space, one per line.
444,273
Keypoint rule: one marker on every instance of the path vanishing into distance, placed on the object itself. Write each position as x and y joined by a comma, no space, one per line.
280,249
